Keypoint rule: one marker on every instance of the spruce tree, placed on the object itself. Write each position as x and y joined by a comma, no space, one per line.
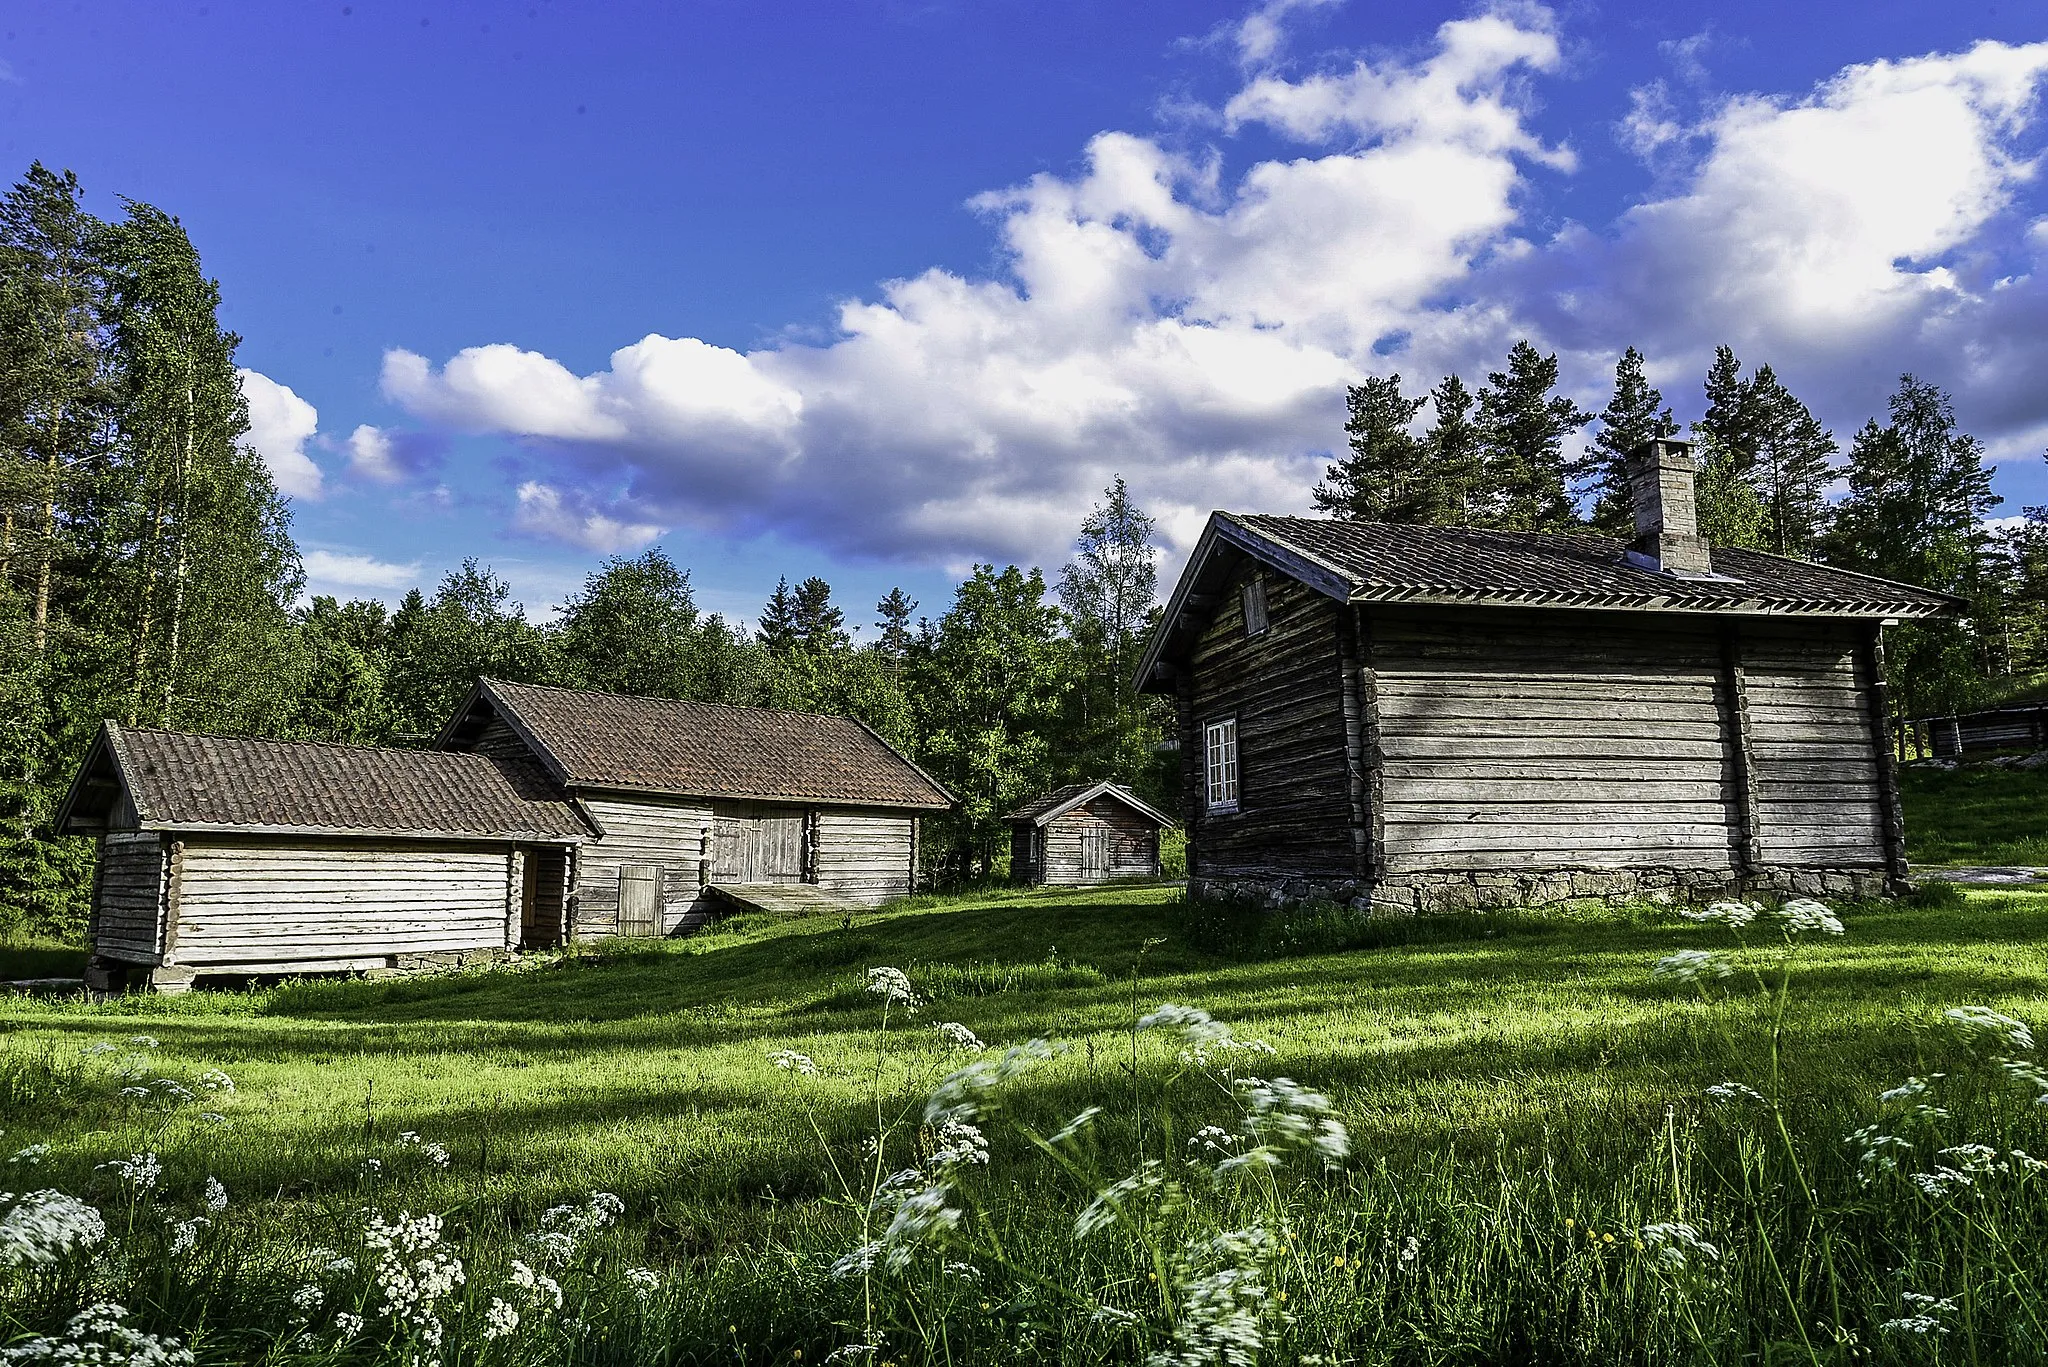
778,630
895,641
1793,465
1524,427
1635,414
1454,453
1385,478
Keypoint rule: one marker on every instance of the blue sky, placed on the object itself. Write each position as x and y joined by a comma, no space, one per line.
876,290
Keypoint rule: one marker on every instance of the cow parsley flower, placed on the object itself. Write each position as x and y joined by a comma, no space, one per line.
960,1144
1677,1246
214,1080
500,1320
563,1229
1804,916
892,985
216,1197
1225,1305
644,1281
959,1036
962,1092
790,1061
1734,915
1982,1025
308,1298
96,1337
1073,1127
541,1289
415,1271
348,1324
2027,1075
1691,966
143,1041
31,1155
1879,1152
45,1226
923,1216
1110,1202
185,1235
139,1170
1729,1092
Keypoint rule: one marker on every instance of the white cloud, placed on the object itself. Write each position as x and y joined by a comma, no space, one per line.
576,519
370,455
280,425
1193,327
355,570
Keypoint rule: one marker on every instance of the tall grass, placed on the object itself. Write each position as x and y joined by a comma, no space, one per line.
1749,1182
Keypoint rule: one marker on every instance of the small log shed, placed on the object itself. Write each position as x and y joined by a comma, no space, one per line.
235,856
1414,718
1083,834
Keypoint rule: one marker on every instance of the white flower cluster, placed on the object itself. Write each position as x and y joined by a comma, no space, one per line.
1677,1246
1691,966
1880,1152
42,1227
31,1155
1111,1202
644,1281
964,1091
563,1229
96,1337
1076,1125
500,1319
1225,1310
1925,1316
415,1271
214,1080
960,1144
1281,1114
1729,1092
1804,916
1734,915
1982,1025
141,1171
434,1153
216,1197
537,1289
959,1036
892,985
1206,1039
790,1061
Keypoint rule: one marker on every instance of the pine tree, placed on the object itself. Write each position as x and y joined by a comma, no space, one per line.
1385,478
1524,427
896,638
819,626
1454,452
1634,415
1793,465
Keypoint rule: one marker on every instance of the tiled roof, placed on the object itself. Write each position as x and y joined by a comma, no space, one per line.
694,749
1052,804
1382,563
186,781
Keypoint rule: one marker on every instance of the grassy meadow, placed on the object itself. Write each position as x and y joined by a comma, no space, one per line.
1976,814
1535,1169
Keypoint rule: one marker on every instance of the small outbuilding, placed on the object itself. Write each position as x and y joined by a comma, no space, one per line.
1083,834
231,856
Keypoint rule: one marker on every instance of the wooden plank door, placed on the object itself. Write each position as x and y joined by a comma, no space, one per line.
731,849
640,899
779,849
1094,854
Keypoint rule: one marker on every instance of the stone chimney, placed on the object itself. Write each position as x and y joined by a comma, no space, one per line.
1660,474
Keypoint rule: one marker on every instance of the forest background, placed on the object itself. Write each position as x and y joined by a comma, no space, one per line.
148,571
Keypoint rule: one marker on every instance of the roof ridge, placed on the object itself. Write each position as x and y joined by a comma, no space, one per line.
308,742
680,702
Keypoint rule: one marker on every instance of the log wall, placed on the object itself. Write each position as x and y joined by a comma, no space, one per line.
128,897
1516,739
1285,686
673,836
1814,748
273,906
865,855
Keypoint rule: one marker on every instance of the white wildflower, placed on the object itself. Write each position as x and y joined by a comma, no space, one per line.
143,1041
1916,1090
1980,1024
1225,1308
101,1048
1411,1249
1727,1092
1282,1114
790,1061
541,1289
1925,1317
858,1263
1691,966
960,1144
1677,1246
644,1281
893,987
1804,916
1880,1152
216,1198
959,1036
414,1270
348,1324
372,1166
1110,1315
1971,1158
2027,1075
308,1298
338,1266
185,1235
31,1155
214,1080
852,1353
1076,1125
1215,1139
962,1091
923,1216
96,1337
1207,1039
139,1170
1734,915
500,1320
1941,1182
1110,1202
172,1091
45,1226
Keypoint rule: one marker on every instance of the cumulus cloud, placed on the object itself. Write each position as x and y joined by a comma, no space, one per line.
1192,327
577,519
355,570
280,425
384,456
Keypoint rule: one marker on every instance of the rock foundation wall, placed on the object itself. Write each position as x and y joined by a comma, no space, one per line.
1484,890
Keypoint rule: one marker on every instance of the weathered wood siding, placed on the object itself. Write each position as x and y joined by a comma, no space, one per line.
1813,746
673,836
865,855
128,897
500,741
1516,740
1130,844
1285,687
276,904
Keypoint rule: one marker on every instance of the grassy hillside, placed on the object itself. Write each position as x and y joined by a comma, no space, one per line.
1521,1101
1978,814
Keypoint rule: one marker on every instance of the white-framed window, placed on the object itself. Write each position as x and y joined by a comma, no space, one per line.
1255,606
1219,744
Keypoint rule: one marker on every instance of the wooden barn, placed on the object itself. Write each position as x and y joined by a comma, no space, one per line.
698,805
1434,717
222,856
1083,834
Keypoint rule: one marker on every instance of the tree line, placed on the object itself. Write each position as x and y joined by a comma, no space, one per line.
1915,493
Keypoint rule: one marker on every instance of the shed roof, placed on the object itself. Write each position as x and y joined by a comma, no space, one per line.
1369,562
1060,801
179,781
613,742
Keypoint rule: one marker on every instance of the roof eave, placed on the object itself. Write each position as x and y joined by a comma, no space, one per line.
102,746
1106,788
1755,607
363,833
581,790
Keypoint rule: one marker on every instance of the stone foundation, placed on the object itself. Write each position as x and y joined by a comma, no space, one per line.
1411,894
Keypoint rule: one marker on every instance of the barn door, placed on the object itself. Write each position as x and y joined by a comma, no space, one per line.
779,849
1094,854
640,899
731,845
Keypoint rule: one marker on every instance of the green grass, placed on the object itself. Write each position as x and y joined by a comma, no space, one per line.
1977,814
37,957
1499,1076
